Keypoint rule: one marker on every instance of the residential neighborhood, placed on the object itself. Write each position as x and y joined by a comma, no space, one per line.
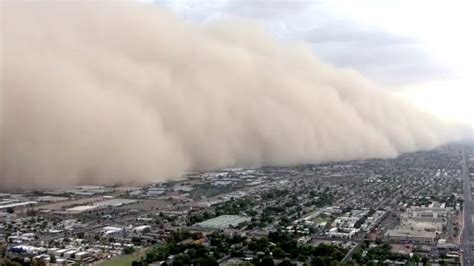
405,209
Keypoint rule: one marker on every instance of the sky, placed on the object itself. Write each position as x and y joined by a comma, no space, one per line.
421,50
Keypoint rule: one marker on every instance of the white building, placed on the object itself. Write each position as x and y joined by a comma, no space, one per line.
109,230
140,229
346,233
410,236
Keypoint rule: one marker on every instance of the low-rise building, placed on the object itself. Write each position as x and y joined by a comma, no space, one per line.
410,236
223,221
346,233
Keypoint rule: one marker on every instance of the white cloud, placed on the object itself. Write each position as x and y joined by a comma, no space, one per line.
399,43
336,35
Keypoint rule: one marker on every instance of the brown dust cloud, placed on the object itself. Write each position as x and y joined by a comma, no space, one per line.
120,93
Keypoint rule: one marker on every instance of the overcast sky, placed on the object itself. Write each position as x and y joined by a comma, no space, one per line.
420,49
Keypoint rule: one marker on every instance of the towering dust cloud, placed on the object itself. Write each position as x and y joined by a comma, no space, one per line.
108,93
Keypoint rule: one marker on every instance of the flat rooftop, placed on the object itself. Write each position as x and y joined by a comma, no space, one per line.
223,221
115,202
17,204
410,233
79,209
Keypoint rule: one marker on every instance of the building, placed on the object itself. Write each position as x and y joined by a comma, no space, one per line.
115,202
51,199
182,188
110,230
420,225
223,221
99,205
140,229
346,233
60,252
69,254
410,236
81,209
26,249
81,255
426,214
13,204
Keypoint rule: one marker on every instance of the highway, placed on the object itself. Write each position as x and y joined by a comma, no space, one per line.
467,237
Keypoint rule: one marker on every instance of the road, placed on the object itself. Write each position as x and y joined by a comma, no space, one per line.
386,204
467,237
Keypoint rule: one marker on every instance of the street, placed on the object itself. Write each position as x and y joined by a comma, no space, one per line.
467,236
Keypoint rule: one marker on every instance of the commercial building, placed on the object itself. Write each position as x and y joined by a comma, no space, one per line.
81,209
4,195
426,214
26,249
115,202
420,225
70,253
81,255
410,236
223,221
109,230
99,205
51,199
346,233
16,204
140,229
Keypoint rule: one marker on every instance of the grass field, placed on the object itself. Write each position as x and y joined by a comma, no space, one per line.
321,219
124,260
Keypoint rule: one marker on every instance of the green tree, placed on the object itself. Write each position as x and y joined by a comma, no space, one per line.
8,262
286,262
267,261
52,258
137,263
206,261
278,252
36,262
136,240
3,251
357,256
317,261
181,259
416,258
80,235
258,244
128,250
